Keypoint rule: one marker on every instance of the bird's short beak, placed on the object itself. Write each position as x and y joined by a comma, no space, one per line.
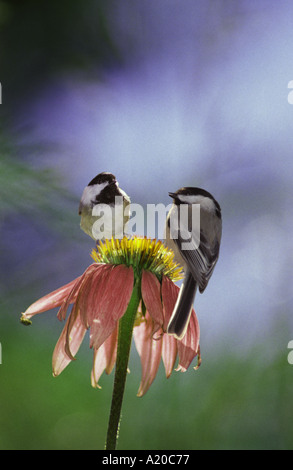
173,195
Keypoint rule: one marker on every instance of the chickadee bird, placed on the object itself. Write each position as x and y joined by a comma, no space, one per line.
201,255
104,208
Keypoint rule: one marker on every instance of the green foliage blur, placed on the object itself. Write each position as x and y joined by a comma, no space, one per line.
228,403
41,39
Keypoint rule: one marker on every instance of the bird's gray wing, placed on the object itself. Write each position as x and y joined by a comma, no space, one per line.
199,256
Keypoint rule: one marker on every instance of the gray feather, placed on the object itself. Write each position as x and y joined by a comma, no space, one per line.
182,310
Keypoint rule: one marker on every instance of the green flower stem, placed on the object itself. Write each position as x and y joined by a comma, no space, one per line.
124,344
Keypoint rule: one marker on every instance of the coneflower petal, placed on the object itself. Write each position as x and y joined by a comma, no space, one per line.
169,353
149,351
104,358
169,296
61,358
91,293
188,347
151,295
113,304
52,300
75,290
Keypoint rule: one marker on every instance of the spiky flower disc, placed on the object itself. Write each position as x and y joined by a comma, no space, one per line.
141,254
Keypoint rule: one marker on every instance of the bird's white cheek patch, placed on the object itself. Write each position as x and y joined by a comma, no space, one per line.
205,202
90,192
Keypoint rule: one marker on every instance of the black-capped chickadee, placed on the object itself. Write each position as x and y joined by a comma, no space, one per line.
104,208
194,236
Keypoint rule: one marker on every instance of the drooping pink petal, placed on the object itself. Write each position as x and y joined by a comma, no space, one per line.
188,347
75,290
104,358
113,304
151,295
74,320
169,295
61,358
52,300
91,293
169,353
149,351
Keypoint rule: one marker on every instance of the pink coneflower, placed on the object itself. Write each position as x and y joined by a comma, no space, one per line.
129,288
100,298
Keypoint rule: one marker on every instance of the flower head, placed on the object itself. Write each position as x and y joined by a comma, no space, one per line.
100,297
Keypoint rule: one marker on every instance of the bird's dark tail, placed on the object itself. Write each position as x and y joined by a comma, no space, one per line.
183,307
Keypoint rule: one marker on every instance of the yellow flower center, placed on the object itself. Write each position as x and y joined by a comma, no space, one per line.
141,254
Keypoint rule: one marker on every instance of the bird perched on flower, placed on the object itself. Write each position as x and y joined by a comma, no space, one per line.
196,244
127,292
100,298
104,208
